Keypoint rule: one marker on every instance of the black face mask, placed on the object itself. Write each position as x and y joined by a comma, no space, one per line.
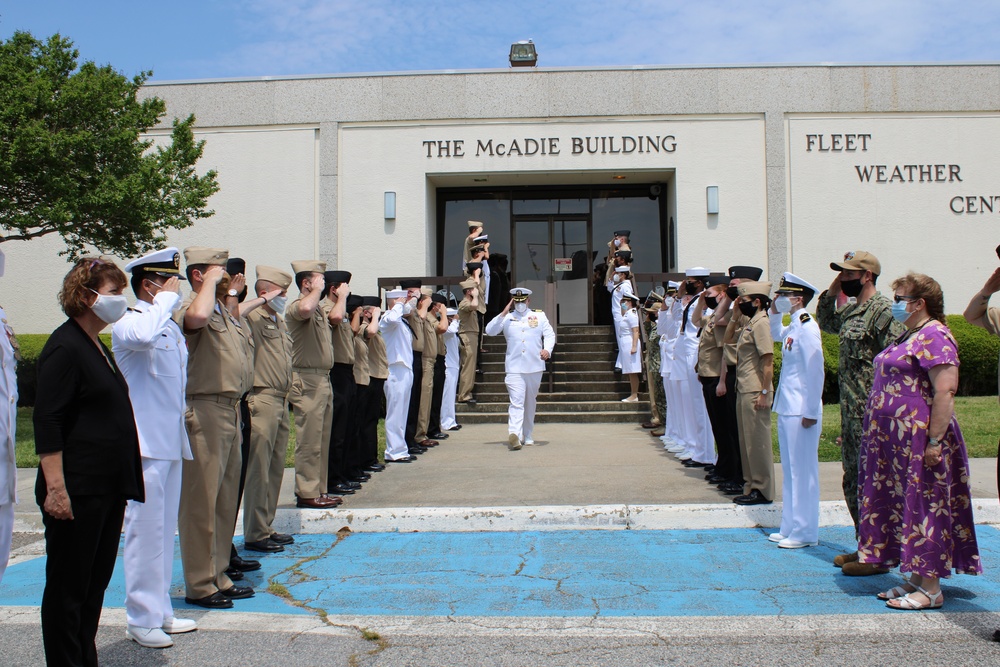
691,287
748,309
732,293
711,302
851,287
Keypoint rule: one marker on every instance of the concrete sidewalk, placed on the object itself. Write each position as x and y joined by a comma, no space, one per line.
575,476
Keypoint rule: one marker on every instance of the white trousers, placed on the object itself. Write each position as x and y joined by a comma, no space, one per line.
697,435
397,401
6,534
448,398
149,544
523,391
616,317
799,449
670,430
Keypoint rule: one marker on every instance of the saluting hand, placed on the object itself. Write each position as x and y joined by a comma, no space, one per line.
172,285
213,275
993,283
267,296
238,282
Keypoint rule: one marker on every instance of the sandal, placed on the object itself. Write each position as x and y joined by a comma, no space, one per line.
897,592
906,603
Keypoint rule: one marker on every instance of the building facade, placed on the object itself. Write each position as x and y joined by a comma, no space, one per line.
378,174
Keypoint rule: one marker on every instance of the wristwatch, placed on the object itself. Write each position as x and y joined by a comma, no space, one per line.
233,292
933,442
763,392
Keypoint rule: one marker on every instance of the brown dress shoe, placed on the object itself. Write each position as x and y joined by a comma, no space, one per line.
857,569
428,443
844,559
657,432
649,424
318,503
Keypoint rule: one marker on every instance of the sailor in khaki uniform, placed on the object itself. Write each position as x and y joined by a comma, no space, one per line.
152,355
475,231
378,371
530,339
798,403
311,396
434,325
754,372
268,402
220,371
468,339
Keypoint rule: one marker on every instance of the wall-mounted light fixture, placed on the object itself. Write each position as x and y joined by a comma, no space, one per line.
712,199
390,205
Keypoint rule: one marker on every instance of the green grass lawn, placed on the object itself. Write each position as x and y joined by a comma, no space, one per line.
977,415
26,457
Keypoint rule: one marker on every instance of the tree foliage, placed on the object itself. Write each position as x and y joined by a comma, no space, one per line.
74,159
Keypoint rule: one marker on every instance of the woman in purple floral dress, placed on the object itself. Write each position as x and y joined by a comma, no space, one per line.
916,506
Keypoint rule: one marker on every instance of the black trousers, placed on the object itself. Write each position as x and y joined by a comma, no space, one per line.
369,414
414,408
245,453
434,421
80,558
716,407
344,390
730,431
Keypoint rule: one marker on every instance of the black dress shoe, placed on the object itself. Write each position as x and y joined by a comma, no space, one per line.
282,538
238,592
414,450
437,436
340,489
710,468
265,546
408,459
755,497
351,485
715,479
214,601
375,467
244,564
234,575
456,427
691,463
359,477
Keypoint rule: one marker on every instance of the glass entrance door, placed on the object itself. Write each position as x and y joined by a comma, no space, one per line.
552,258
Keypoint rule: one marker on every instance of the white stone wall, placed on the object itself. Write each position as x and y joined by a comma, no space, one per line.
914,189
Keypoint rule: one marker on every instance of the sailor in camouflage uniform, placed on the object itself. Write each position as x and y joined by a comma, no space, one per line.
658,398
865,328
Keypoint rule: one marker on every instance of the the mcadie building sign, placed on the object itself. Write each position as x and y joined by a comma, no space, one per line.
532,146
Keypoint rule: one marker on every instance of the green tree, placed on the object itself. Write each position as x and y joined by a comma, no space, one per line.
74,159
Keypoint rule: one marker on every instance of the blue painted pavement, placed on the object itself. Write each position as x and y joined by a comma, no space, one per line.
716,572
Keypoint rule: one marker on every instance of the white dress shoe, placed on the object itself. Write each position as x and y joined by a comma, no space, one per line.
775,537
683,456
148,637
529,442
676,449
176,626
789,543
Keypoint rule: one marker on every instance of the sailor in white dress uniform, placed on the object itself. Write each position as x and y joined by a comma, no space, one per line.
530,339
151,351
798,403
9,356
451,365
398,337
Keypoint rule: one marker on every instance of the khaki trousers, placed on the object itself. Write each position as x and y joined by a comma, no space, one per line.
266,464
312,399
755,445
210,482
468,350
426,398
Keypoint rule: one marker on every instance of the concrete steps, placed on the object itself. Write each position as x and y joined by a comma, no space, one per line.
585,387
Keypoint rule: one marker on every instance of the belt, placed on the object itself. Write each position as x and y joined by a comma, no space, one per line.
215,398
268,391
315,371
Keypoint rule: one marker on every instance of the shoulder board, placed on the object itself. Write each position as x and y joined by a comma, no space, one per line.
537,310
132,310
804,317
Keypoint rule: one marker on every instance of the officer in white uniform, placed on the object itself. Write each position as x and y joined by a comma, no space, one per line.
799,406
451,365
398,337
530,339
668,325
620,286
151,351
9,356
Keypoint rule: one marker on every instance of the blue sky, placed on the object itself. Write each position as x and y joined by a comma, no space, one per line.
198,39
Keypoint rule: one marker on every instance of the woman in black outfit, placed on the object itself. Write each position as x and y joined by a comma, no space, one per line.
88,447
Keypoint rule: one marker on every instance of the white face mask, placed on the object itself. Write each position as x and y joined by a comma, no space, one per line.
109,307
783,304
618,243
278,303
617,277
521,307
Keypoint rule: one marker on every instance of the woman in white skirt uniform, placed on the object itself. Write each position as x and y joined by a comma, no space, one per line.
630,351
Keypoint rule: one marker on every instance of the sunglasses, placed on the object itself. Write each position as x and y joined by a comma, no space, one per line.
903,297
